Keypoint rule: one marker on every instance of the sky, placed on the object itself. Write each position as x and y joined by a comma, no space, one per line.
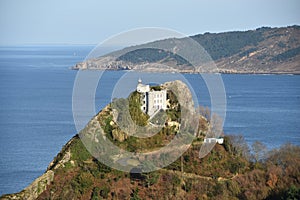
92,21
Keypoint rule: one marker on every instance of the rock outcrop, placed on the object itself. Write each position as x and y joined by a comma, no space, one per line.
31,192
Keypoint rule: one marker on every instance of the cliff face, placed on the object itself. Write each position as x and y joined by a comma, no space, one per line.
34,189
38,186
264,50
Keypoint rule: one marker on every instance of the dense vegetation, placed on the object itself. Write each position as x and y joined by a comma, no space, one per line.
220,45
130,115
263,50
227,172
287,54
151,55
217,45
232,170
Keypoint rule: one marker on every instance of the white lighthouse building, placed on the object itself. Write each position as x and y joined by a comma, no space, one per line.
152,101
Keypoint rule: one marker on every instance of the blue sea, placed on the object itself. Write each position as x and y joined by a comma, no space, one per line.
36,118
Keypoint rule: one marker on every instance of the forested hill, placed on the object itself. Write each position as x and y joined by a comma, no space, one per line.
222,45
263,50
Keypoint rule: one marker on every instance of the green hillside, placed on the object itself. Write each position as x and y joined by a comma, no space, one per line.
229,171
263,50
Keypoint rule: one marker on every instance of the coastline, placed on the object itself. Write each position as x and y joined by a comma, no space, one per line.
189,72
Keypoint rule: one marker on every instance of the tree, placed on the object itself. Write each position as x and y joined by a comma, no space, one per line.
205,112
259,151
239,145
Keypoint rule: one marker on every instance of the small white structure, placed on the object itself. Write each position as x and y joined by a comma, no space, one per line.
152,101
141,88
214,140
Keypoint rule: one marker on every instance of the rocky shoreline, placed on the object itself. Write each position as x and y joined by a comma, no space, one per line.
220,71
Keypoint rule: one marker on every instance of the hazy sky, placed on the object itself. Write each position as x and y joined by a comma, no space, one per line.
91,21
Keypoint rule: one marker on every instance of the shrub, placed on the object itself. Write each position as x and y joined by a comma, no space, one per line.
151,178
82,182
134,195
140,118
95,194
175,180
79,151
104,192
187,186
107,127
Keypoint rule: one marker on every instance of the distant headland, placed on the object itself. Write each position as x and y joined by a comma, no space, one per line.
264,50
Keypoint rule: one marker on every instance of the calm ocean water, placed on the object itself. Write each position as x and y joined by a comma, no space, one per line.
36,107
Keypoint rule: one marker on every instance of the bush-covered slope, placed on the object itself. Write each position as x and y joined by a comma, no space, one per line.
264,50
229,171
